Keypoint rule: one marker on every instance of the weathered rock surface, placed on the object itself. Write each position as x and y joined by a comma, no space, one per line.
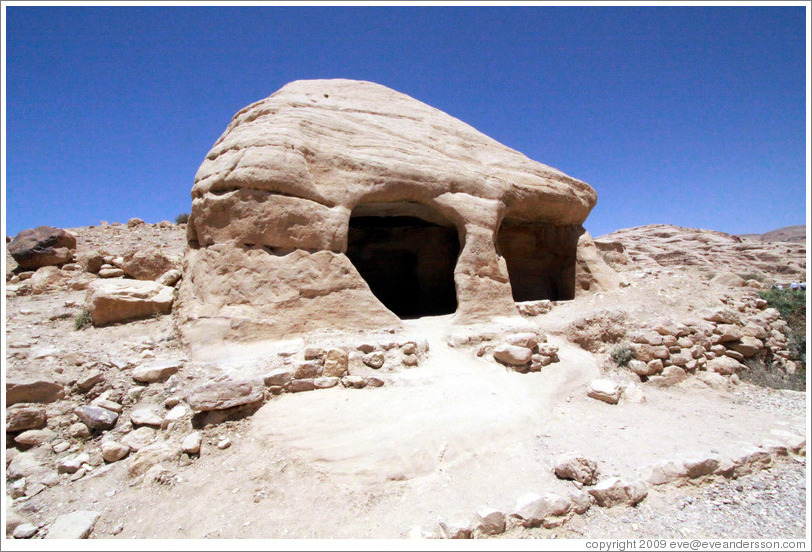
96,417
25,416
76,525
614,491
145,263
665,245
42,246
273,200
33,391
156,371
576,467
605,390
223,394
117,300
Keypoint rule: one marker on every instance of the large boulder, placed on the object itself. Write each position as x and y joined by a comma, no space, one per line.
42,246
145,263
287,209
117,300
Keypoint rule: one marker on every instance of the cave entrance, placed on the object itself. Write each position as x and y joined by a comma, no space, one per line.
540,259
406,252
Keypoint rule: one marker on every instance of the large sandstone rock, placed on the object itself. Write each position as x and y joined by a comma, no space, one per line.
42,246
279,200
223,394
117,300
145,264
33,391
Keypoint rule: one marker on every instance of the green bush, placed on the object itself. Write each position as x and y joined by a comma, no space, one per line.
82,319
622,354
791,304
182,218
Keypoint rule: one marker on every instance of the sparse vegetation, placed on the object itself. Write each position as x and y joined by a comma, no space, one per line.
791,304
753,276
622,354
82,319
182,218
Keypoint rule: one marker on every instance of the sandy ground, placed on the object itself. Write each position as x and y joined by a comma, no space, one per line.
438,441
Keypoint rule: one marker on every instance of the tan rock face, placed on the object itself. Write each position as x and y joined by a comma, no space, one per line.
345,204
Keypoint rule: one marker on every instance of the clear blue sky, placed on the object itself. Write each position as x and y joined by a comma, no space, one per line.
692,116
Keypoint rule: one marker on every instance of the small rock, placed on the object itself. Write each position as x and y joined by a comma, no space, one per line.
20,417
86,382
614,491
140,438
156,371
373,382
79,431
224,443
512,355
490,521
223,395
34,437
325,382
300,385
454,530
374,360
278,377
147,457
72,464
576,467
605,390
113,451
76,525
96,417
175,414
145,417
191,443
25,531
336,363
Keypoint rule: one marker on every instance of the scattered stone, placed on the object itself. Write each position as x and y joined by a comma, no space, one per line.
512,355
20,417
698,467
145,417
89,380
110,272
113,451
224,443
453,530
76,525
42,246
156,371
139,438
170,277
671,375
747,346
300,385
223,394
576,467
605,390
372,381
374,359
79,430
280,376
336,363
581,501
147,457
25,531
119,300
356,382
531,509
633,393
33,391
73,464
96,417
613,491
490,521
108,404
325,382
308,370
191,443
35,437
724,365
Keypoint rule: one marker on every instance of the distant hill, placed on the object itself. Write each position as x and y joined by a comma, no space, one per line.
786,234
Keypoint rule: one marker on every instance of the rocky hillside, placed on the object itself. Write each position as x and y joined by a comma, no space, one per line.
665,245
786,234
